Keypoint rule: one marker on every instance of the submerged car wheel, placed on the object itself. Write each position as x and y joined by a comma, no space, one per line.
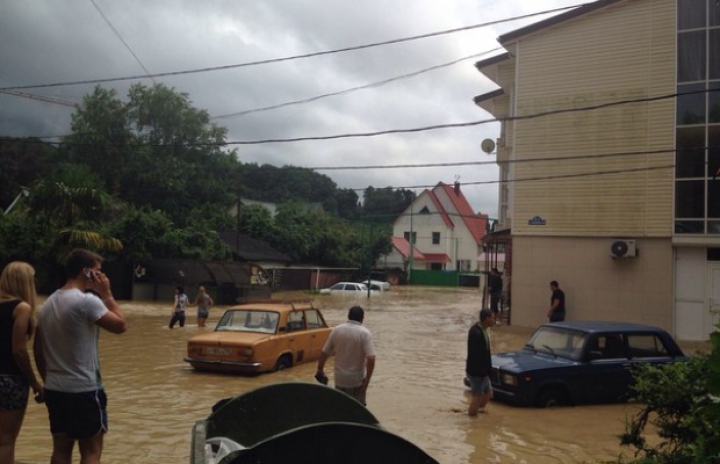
551,397
283,362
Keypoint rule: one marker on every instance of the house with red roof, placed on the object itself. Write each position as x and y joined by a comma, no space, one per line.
438,231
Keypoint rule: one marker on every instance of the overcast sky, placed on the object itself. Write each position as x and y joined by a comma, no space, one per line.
46,41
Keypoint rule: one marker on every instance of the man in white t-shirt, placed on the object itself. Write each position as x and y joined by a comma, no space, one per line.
66,354
352,345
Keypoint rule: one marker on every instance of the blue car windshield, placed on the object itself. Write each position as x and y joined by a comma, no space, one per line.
558,341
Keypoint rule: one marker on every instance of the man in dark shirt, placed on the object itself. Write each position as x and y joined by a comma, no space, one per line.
556,313
495,284
478,363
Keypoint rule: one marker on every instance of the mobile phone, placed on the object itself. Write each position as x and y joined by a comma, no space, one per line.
90,274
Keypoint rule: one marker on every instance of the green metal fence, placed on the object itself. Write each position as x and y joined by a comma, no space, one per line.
445,278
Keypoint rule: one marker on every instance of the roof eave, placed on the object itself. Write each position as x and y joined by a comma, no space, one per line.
492,61
512,36
486,100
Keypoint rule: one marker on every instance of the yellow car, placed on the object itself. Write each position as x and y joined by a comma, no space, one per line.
261,337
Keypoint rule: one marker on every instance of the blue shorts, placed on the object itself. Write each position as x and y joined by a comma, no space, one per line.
78,415
479,385
14,392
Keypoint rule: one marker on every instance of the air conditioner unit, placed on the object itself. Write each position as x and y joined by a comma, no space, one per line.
623,249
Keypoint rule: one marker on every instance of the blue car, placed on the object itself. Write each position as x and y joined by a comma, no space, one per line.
579,362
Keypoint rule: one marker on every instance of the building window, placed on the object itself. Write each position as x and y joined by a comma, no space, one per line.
697,137
410,237
436,238
436,266
463,265
690,154
692,56
691,14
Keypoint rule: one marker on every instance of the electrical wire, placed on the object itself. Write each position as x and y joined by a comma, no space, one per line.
415,129
539,178
117,34
509,162
472,123
353,89
296,57
279,105
42,98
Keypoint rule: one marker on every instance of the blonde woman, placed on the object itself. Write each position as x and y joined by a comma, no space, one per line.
17,325
203,302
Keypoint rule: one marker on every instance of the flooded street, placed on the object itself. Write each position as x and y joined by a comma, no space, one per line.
420,334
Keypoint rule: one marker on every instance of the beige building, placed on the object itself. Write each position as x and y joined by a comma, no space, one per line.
607,176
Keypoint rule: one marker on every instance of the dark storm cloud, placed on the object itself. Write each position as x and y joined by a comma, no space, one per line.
44,41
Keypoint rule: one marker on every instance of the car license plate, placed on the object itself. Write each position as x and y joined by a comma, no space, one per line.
217,351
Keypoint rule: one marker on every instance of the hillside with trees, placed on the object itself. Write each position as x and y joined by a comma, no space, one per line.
150,176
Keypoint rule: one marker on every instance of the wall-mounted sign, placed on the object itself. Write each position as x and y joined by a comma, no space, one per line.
537,221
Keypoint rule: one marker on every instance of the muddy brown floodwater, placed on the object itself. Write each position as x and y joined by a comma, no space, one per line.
420,333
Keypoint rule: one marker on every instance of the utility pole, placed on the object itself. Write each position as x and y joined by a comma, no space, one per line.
370,263
237,229
412,244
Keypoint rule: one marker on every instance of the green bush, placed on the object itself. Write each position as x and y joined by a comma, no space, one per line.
682,403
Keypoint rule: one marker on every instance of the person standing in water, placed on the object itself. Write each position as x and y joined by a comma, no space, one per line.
478,362
181,302
203,302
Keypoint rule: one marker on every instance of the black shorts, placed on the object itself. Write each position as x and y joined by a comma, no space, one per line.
14,392
78,415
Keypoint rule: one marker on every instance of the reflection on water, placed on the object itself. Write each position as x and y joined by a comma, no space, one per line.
154,397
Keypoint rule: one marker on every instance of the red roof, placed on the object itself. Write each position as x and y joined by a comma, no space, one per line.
403,247
476,223
436,257
436,201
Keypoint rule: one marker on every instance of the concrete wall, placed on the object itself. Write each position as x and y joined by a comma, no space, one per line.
596,286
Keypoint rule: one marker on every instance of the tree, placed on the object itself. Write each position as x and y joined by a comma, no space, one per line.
154,150
22,161
257,222
682,402
385,204
345,203
74,214
281,185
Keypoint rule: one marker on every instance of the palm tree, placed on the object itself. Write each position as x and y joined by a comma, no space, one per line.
76,213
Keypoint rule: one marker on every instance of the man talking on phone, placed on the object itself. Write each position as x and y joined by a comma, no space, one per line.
66,354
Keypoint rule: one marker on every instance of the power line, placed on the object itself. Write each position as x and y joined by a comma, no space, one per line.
542,178
285,104
272,107
296,57
43,98
353,89
410,130
117,34
508,162
472,123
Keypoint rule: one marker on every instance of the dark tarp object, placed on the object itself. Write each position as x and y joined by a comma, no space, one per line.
267,411
331,443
